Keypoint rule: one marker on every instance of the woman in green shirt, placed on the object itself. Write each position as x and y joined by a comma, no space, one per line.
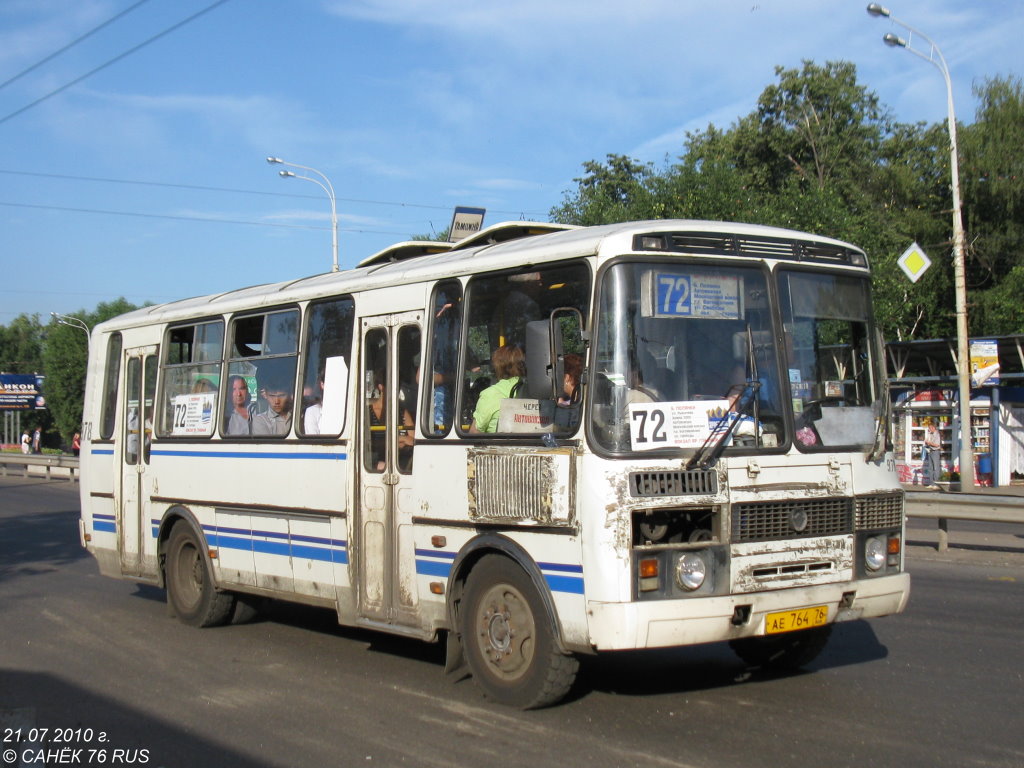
509,367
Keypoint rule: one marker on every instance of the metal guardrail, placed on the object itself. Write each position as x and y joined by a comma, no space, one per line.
46,462
944,507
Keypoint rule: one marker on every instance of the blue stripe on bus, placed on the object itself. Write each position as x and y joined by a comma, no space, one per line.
278,543
433,568
435,553
102,451
248,455
431,562
561,567
104,523
568,584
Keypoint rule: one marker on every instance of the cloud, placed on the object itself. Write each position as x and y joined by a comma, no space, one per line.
31,30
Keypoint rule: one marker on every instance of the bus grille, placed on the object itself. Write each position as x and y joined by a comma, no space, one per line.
512,487
882,511
791,519
691,483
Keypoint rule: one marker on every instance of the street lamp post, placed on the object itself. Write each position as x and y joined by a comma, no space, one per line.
73,322
327,187
934,56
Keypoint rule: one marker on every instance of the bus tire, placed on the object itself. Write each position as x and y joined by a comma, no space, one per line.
190,589
508,638
786,652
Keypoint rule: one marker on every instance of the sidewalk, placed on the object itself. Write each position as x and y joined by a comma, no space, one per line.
1017,489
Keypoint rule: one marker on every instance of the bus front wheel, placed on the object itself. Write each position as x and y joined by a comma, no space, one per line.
508,638
190,589
786,652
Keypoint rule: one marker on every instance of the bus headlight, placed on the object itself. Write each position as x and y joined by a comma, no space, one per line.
691,570
875,552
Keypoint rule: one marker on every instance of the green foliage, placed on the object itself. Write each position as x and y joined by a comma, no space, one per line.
65,357
993,183
440,237
820,154
619,190
21,345
21,351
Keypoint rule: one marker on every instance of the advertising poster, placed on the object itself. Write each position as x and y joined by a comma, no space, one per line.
21,392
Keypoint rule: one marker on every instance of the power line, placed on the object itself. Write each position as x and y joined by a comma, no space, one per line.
73,43
233,190
114,60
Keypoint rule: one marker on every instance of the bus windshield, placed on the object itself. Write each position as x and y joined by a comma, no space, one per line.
834,376
677,344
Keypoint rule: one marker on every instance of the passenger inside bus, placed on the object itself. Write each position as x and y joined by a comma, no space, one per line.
378,416
239,417
572,366
509,368
277,419
312,401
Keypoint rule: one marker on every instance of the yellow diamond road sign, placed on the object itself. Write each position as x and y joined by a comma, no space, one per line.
914,262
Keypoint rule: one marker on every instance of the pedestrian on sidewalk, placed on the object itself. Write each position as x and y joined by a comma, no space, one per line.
26,443
933,454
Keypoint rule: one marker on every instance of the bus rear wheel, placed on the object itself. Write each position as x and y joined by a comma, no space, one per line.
190,588
786,652
508,638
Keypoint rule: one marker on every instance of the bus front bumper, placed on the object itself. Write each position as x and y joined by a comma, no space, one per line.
668,623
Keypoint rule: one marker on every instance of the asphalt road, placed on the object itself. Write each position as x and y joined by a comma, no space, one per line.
98,662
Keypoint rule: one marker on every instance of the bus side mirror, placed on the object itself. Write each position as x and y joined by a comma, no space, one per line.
546,343
539,382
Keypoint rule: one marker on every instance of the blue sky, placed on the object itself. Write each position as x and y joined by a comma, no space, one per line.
148,179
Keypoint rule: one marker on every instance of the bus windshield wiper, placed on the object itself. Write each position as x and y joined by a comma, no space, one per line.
715,443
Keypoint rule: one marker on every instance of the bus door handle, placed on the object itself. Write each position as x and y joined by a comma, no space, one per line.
390,478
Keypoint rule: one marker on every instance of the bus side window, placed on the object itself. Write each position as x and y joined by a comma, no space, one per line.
264,351
445,334
111,376
190,374
499,306
329,326
409,380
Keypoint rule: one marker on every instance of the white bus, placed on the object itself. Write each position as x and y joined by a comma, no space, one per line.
697,450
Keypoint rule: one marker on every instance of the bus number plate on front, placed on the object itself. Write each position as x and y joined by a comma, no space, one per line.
788,621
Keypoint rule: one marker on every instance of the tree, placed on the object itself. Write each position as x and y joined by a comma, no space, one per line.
621,189
816,125
993,192
65,358
819,154
440,237
21,345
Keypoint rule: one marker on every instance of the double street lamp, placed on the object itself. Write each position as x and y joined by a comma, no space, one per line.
935,57
326,186
73,322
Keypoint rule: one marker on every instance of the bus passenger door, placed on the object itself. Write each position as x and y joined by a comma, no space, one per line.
132,512
384,557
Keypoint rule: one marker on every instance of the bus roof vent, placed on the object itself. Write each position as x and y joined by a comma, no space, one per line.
703,243
410,249
826,252
729,244
509,230
766,247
